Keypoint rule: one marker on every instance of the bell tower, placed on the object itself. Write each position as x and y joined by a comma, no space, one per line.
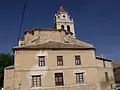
64,21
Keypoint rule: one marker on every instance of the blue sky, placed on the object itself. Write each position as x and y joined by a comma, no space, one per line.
96,22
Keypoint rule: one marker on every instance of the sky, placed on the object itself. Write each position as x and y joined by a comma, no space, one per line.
96,22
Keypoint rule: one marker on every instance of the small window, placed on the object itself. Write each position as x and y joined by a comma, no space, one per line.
77,60
64,16
106,77
36,81
68,28
59,79
41,60
62,26
79,78
60,60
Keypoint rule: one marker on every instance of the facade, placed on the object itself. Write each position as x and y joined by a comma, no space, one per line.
55,59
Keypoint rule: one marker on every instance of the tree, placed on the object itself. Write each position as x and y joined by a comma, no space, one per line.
5,61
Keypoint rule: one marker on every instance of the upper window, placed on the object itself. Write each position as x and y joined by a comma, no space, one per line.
36,81
106,77
62,26
79,78
60,60
41,60
77,60
59,79
68,28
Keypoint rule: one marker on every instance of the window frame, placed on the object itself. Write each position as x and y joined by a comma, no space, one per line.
59,80
79,78
36,80
41,62
59,60
77,60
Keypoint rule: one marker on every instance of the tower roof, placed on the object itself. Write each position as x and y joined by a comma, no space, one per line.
61,10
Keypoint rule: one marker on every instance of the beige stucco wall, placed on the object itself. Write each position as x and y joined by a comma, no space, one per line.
26,65
23,57
102,80
24,70
42,36
8,79
48,79
100,63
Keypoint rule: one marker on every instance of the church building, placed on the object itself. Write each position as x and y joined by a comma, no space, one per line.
54,59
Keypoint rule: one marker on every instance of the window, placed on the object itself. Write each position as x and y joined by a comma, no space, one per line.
59,79
77,60
41,60
36,81
106,77
79,78
104,63
62,26
64,16
60,60
68,28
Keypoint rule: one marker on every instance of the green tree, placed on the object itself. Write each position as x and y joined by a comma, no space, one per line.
5,61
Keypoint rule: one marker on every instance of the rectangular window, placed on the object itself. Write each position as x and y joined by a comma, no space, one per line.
79,78
77,60
41,60
104,63
60,60
59,79
106,77
36,81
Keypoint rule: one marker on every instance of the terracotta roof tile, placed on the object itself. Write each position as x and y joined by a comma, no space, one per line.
54,45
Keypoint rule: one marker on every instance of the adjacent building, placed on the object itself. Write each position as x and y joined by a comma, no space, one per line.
116,70
55,59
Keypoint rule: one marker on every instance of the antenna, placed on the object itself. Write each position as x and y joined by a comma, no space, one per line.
102,56
22,19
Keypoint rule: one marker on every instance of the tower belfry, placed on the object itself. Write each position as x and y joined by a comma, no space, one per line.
64,21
